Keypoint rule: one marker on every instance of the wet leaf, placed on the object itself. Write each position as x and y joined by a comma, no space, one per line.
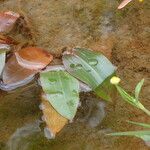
7,40
2,61
124,3
14,75
105,90
62,91
7,21
90,67
54,121
33,58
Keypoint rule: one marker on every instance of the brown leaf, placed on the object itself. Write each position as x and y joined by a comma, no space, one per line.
55,122
7,21
7,40
15,74
33,58
124,3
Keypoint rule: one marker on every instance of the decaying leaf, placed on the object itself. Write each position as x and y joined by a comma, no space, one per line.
124,3
54,121
7,40
14,75
7,21
2,61
62,91
33,58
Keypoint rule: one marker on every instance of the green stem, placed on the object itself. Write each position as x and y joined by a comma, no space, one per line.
144,109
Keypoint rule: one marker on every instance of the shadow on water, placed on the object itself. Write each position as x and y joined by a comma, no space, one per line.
121,35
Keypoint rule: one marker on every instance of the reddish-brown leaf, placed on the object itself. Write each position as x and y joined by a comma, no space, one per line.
124,3
7,21
54,121
15,74
33,58
7,40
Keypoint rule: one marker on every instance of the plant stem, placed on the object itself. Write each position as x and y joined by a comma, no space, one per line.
144,109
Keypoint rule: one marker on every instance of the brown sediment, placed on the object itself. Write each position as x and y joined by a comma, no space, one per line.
63,25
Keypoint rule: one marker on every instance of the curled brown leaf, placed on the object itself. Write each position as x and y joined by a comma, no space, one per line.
14,75
33,58
7,21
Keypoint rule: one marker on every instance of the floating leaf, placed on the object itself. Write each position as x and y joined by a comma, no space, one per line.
105,89
33,58
54,121
138,89
7,40
90,67
2,61
14,75
7,21
62,91
124,3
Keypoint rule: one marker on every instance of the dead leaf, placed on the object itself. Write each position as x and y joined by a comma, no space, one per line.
15,74
33,58
7,40
7,21
124,3
55,122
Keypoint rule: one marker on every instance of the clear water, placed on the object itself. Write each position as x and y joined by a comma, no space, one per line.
57,25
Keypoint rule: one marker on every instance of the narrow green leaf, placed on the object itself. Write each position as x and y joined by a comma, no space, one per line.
127,97
144,135
62,91
145,138
90,67
140,124
131,133
2,61
138,89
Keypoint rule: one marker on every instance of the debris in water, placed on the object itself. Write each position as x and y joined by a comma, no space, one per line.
33,58
17,140
7,21
14,75
48,134
124,3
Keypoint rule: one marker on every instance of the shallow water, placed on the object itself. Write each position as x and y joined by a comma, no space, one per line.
57,25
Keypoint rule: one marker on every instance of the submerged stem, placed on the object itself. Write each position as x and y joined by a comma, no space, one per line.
145,110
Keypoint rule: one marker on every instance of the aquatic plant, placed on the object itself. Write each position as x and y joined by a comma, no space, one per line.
80,70
133,100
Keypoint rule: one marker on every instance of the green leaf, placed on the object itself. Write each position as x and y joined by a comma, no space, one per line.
138,89
128,98
62,91
90,67
2,61
105,89
140,124
144,135
131,133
